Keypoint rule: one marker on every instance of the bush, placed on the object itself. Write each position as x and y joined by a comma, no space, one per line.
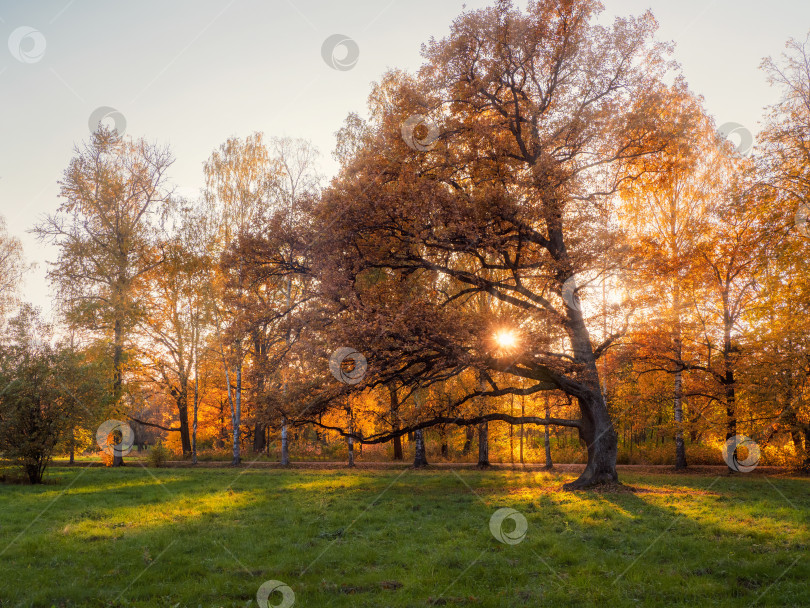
106,458
157,455
34,409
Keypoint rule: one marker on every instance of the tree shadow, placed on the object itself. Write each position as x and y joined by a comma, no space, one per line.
394,538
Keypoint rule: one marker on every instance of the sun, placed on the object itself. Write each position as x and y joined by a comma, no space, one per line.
506,339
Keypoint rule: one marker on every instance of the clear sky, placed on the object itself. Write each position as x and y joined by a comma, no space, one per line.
192,73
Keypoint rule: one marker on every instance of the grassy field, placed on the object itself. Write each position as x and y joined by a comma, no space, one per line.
183,537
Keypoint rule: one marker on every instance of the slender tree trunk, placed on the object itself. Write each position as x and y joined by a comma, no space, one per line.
118,371
259,427
522,413
285,445
194,423
182,412
420,456
469,434
483,429
235,401
420,453
512,431
731,407
118,358
72,445
185,432
394,409
728,379
680,448
237,412
547,439
483,444
195,351
350,439
223,431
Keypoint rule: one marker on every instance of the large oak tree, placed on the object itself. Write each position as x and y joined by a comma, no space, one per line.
489,172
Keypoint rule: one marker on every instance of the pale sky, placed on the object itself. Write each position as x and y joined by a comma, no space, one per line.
192,73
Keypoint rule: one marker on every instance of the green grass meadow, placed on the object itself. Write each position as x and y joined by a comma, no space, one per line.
137,537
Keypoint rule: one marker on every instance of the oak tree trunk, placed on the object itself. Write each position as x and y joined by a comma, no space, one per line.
602,443
596,427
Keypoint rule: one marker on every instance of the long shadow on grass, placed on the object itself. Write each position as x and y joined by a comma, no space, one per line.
210,530
395,539
700,540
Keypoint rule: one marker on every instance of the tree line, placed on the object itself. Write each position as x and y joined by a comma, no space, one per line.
544,214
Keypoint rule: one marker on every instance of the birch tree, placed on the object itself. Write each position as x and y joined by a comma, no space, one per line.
105,230
239,176
12,267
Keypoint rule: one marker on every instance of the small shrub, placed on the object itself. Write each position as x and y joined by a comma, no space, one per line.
106,458
157,455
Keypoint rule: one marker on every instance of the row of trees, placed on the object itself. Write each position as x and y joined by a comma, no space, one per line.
541,212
